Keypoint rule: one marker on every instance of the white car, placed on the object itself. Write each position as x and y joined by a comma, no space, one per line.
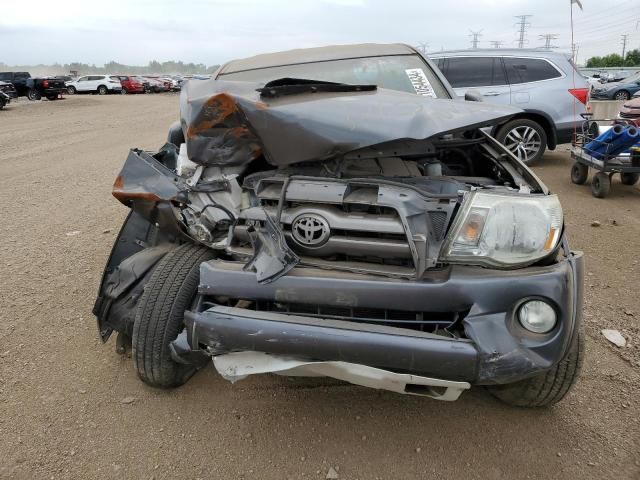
100,84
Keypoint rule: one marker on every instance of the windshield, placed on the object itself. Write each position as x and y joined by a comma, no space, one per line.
407,73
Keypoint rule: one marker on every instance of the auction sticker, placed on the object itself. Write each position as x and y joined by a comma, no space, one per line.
420,82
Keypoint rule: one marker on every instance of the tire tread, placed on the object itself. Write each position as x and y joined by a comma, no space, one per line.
160,313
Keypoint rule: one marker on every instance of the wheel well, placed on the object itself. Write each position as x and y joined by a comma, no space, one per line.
545,123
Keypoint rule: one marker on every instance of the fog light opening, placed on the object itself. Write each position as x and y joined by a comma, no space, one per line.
537,316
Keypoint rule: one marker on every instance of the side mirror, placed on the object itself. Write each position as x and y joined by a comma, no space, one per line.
473,96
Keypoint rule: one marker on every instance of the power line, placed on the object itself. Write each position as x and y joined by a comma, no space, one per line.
475,38
496,43
548,38
523,24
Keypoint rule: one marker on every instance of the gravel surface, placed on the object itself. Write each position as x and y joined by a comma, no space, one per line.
71,407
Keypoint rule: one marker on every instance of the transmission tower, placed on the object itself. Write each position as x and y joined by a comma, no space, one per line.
496,43
523,24
548,38
423,47
475,38
625,38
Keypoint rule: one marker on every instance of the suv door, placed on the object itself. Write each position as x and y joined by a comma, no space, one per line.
528,76
483,74
94,81
82,84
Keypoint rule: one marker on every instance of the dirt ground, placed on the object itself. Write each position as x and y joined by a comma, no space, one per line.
62,413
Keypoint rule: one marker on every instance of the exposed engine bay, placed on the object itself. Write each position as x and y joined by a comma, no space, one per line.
382,209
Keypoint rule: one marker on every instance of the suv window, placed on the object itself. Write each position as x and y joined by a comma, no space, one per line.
96,77
6,76
473,71
523,70
406,73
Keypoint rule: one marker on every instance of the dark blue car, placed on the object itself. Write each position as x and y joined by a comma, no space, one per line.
622,90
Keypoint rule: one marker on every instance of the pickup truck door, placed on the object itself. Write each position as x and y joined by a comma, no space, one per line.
485,75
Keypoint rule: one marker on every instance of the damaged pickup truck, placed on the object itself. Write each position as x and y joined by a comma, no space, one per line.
380,237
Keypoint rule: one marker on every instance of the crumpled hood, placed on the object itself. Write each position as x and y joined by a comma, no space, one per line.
229,123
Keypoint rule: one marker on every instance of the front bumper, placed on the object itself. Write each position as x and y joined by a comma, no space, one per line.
496,349
606,95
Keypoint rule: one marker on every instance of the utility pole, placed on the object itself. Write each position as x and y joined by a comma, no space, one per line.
496,43
548,38
624,47
475,38
574,53
422,47
523,24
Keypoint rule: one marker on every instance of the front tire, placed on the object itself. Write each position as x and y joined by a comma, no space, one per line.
160,316
600,185
71,90
547,388
622,95
525,138
579,173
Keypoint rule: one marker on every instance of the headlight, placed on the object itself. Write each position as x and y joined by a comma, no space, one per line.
503,230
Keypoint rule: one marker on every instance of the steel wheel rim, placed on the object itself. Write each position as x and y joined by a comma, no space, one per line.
524,142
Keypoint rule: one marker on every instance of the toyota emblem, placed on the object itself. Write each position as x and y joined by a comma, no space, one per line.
310,230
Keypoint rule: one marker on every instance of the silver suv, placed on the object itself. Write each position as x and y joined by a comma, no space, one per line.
544,84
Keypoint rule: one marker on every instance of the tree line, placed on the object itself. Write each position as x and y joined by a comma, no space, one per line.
631,59
153,67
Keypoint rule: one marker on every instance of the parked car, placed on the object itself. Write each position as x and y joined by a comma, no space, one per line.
156,85
630,111
332,226
173,84
539,82
8,89
622,90
131,84
34,88
100,84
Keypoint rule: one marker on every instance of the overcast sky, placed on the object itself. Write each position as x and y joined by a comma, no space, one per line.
213,31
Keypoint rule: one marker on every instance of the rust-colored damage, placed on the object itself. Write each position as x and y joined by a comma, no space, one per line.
123,194
214,112
219,133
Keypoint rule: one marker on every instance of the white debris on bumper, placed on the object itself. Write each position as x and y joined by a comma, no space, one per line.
237,366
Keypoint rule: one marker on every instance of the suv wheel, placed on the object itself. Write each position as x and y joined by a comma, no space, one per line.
71,90
33,94
525,138
160,315
622,95
547,388
102,90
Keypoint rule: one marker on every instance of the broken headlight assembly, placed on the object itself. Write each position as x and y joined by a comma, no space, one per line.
503,231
